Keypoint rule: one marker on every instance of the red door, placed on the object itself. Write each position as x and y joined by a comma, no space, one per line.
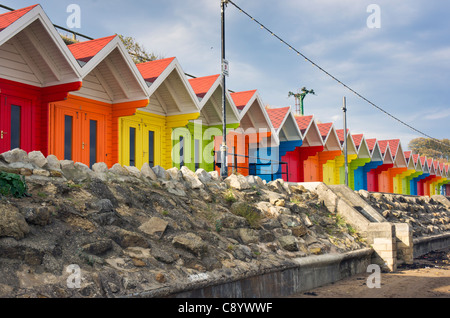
15,123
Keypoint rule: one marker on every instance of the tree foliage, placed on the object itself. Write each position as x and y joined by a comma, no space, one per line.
137,52
430,148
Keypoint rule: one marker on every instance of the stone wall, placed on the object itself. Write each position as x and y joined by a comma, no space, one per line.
141,232
156,232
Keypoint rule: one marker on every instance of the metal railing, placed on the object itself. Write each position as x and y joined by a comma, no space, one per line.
252,167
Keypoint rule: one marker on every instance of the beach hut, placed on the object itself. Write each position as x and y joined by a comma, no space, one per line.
376,160
433,183
412,187
312,144
290,137
156,134
85,126
209,126
417,183
388,162
444,179
249,146
36,68
352,154
321,166
401,183
363,158
386,178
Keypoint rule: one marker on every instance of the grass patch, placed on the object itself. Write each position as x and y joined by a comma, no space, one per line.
229,196
249,213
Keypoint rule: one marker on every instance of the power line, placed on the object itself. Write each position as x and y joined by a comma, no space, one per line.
332,76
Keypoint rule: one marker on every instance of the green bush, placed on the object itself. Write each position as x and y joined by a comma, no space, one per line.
13,184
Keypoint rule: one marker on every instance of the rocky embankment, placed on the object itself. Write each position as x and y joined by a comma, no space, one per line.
121,231
425,215
71,231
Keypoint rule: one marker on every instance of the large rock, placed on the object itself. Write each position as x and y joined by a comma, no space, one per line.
53,163
38,215
155,227
133,171
190,242
289,243
191,179
203,176
255,181
15,155
174,174
37,158
12,223
237,182
129,239
248,236
215,175
100,167
98,248
161,173
148,172
119,170
77,172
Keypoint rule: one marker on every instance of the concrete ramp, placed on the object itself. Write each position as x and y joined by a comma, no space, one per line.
356,202
442,199
392,242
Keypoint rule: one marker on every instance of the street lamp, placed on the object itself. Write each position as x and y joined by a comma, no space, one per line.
223,148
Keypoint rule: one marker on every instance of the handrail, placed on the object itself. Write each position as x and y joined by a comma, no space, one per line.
252,166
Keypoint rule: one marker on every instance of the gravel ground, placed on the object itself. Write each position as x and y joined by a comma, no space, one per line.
428,277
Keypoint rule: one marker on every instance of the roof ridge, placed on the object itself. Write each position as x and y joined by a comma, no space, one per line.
8,18
86,50
151,70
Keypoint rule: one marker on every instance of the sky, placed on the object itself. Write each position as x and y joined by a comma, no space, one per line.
397,56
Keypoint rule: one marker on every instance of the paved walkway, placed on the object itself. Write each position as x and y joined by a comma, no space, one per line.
428,277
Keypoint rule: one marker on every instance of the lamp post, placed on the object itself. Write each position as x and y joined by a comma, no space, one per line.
344,108
223,148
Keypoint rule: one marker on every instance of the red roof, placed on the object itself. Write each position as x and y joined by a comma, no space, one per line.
324,129
423,160
430,162
407,155
277,115
153,69
202,85
393,146
241,99
415,158
6,19
340,133
436,164
85,51
357,139
383,146
303,122
371,143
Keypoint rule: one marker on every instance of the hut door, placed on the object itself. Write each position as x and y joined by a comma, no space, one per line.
15,123
80,136
151,136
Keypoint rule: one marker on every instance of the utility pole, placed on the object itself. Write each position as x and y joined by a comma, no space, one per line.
344,108
223,148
